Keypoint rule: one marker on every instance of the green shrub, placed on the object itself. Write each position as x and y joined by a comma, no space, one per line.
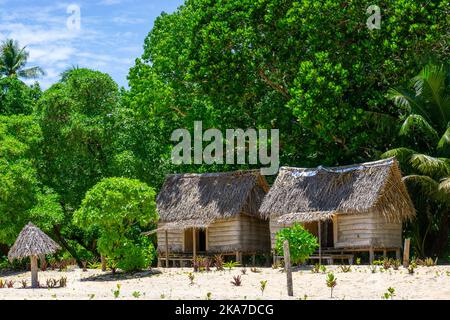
301,243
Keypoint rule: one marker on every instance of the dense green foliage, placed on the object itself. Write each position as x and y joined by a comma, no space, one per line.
425,154
302,244
311,69
118,207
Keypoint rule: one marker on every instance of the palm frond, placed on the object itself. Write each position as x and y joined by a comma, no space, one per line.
430,85
31,73
414,122
444,143
444,188
424,184
431,166
403,155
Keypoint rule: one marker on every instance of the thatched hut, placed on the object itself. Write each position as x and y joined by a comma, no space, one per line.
212,213
33,243
352,208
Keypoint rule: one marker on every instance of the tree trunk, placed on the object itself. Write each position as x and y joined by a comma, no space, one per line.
66,246
103,260
34,272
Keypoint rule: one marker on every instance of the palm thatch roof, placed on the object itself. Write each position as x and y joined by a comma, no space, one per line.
197,200
303,195
32,242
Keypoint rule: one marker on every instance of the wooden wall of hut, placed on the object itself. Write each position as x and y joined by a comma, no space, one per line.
240,233
175,239
367,230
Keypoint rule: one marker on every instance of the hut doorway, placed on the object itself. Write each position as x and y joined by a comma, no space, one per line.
327,234
200,240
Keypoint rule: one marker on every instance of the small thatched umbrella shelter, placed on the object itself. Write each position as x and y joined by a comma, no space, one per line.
352,208
212,213
32,242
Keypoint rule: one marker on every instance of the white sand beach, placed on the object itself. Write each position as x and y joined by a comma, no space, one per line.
173,283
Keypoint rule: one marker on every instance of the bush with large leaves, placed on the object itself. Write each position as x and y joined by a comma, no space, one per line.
425,154
119,208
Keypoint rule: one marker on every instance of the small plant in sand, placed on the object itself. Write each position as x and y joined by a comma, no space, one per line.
51,283
386,264
24,283
396,263
84,264
162,296
63,282
346,269
373,269
208,296
429,262
218,262
315,268
331,282
323,269
2,284
263,286
237,281
10,284
191,278
91,296
116,292
389,294
411,268
136,294
358,261
230,265
244,271
276,265
255,270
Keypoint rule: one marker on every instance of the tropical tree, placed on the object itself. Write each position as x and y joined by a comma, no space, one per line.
425,154
119,208
13,59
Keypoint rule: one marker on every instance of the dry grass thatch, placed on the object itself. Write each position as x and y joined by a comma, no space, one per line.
197,200
32,242
317,194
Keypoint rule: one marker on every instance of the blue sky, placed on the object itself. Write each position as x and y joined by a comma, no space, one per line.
110,37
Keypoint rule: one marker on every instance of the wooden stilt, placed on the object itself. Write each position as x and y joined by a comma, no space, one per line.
253,260
167,249
384,254
320,244
371,255
194,245
34,272
397,253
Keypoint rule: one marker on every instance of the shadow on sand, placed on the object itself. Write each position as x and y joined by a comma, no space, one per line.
121,275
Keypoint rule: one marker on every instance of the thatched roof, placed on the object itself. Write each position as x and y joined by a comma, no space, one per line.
32,242
303,195
197,200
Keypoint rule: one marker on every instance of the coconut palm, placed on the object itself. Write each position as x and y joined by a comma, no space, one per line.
426,160
13,59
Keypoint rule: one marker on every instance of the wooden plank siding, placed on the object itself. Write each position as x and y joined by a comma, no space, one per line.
240,233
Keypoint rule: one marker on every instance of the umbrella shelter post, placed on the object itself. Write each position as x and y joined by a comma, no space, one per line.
34,272
32,242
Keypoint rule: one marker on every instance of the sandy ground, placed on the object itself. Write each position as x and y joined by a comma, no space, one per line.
173,283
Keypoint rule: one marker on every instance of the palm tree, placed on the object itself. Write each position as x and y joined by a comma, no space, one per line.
426,159
13,60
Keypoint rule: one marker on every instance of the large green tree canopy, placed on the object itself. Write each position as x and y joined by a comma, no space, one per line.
313,69
22,197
